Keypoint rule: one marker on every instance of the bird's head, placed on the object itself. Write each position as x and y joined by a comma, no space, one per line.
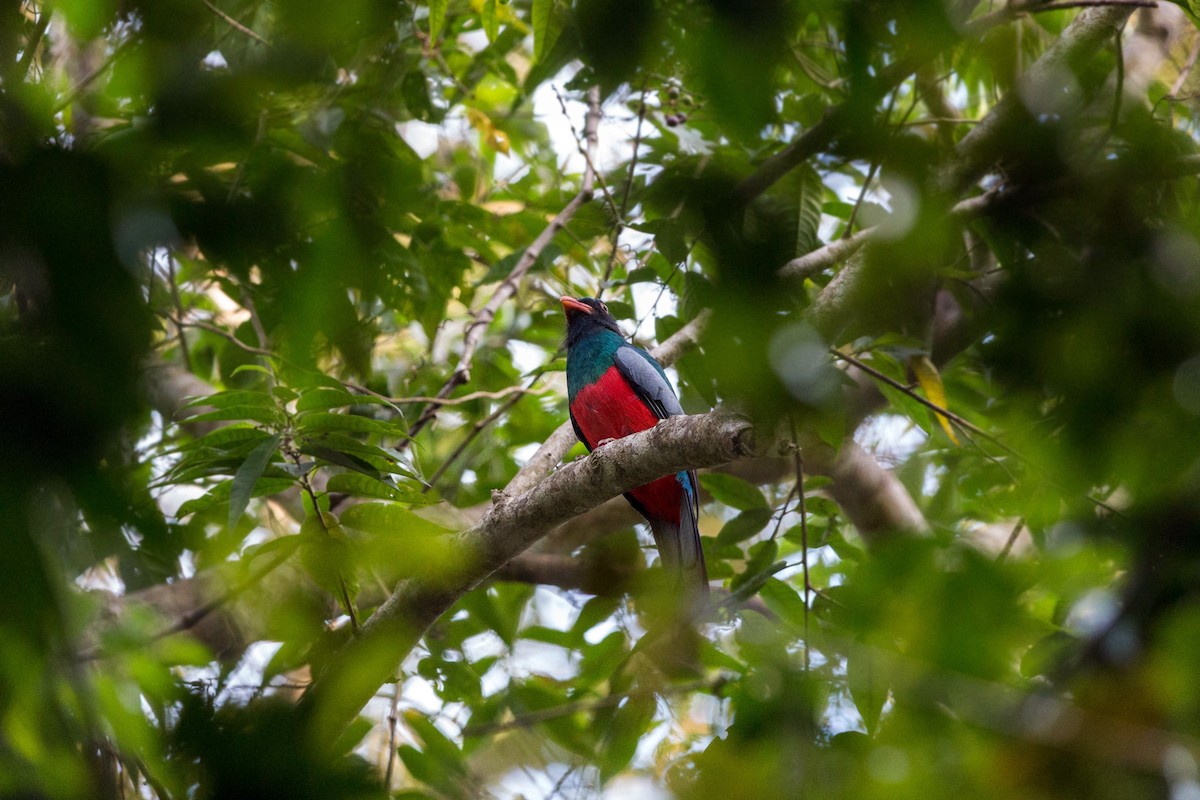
587,316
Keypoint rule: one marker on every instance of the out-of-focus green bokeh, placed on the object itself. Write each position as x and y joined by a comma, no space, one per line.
243,243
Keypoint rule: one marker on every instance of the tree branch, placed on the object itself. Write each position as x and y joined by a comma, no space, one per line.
513,524
980,148
484,316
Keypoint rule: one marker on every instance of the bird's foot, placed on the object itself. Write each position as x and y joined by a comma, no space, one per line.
603,442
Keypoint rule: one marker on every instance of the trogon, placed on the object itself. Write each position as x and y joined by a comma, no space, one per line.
614,390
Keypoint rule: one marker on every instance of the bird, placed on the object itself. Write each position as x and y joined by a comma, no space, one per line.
615,389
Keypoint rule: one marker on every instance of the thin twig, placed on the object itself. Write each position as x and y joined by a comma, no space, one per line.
233,23
391,746
32,44
174,287
615,233
484,316
87,80
1186,72
1010,12
803,537
583,144
908,390
1119,92
1012,539
862,194
838,250
477,428
963,424
466,398
219,331
197,615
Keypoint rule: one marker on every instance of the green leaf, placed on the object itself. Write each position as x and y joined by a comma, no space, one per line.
761,557
247,475
230,399
744,525
548,20
594,612
491,22
387,518
359,485
268,416
733,491
866,676
671,243
226,437
437,19
321,422
342,459
808,222
252,368
265,486
324,397
784,601
329,558
628,725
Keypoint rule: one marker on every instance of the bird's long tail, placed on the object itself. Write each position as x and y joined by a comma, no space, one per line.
679,545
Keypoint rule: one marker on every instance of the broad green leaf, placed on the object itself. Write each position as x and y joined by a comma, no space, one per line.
744,525
594,612
265,487
223,438
323,398
386,518
867,679
542,633
810,194
247,475
548,19
733,491
671,242
231,399
436,743
437,19
625,730
255,413
758,565
342,459
321,422
785,601
491,20
359,485
330,559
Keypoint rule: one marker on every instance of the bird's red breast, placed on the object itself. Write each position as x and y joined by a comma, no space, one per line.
609,409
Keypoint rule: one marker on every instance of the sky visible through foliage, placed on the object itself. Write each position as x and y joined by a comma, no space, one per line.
291,507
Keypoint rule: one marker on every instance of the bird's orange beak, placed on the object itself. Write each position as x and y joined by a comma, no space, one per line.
571,304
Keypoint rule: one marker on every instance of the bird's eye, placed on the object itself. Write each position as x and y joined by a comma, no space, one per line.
604,308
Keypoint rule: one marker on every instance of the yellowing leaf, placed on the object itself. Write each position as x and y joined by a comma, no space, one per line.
498,140
931,384
493,138
479,121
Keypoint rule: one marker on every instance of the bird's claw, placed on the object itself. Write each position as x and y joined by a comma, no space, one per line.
603,442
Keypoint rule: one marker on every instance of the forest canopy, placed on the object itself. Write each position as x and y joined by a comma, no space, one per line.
291,503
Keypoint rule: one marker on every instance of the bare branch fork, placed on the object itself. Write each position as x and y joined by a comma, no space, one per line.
483,318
